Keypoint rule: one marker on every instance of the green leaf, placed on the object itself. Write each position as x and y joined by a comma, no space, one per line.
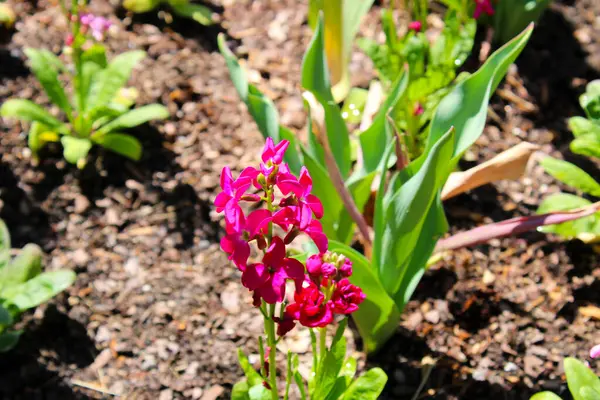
253,377
135,118
141,6
578,377
406,213
38,290
368,386
361,192
377,317
26,110
573,229
121,143
107,85
545,396
465,108
96,53
27,265
75,149
571,175
240,391
590,100
587,145
589,394
381,131
39,135
298,378
199,13
44,65
4,239
581,126
259,392
8,340
5,317
329,369
315,79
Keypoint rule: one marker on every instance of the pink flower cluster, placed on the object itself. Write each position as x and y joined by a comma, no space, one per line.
322,289
483,6
97,25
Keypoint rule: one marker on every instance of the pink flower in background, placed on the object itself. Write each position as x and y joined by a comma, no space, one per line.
483,6
69,40
595,351
415,26
346,297
98,25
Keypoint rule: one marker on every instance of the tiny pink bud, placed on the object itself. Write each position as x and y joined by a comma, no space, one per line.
415,26
69,40
595,351
418,110
346,268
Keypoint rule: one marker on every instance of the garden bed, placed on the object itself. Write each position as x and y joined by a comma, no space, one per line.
157,310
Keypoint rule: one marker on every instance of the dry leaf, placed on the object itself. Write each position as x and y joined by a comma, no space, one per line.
590,312
509,164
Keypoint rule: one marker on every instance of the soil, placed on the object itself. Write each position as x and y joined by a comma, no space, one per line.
157,311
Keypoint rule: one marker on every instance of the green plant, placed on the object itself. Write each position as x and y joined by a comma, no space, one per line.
587,143
341,22
512,16
7,15
432,70
99,111
583,383
23,285
182,8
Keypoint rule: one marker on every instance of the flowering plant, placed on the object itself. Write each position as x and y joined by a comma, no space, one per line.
99,110
182,8
319,290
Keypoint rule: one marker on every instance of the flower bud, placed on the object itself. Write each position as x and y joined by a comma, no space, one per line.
346,268
415,26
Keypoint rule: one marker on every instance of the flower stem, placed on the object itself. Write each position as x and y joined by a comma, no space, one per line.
322,343
271,342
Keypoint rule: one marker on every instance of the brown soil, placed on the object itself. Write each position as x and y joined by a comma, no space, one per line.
157,311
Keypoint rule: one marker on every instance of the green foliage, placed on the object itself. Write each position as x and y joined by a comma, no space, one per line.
23,285
183,8
98,112
583,383
432,70
512,16
587,143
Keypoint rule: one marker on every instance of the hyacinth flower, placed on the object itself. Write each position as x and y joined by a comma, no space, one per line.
287,291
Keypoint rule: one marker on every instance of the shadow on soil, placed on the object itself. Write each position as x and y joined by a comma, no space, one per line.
206,36
23,373
27,223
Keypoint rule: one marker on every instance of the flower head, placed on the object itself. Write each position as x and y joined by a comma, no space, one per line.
483,6
346,297
98,25
311,308
415,26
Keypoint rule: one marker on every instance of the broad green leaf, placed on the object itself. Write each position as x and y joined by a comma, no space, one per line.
240,391
39,135
253,377
315,79
587,145
75,149
329,369
5,317
141,6
360,191
26,110
259,392
89,71
589,393
121,143
377,317
27,265
578,228
323,188
344,379
406,213
545,396
578,377
581,126
8,340
135,118
590,100
571,175
434,227
381,131
354,105
293,156
113,78
96,53
199,13
368,386
44,65
465,108
38,290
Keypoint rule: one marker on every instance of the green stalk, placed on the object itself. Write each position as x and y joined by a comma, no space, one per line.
322,344
270,331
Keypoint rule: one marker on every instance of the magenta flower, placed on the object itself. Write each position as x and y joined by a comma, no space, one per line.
595,351
318,269
98,25
346,268
267,279
285,324
310,307
237,248
307,203
483,6
233,191
288,216
415,26
346,297
69,40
